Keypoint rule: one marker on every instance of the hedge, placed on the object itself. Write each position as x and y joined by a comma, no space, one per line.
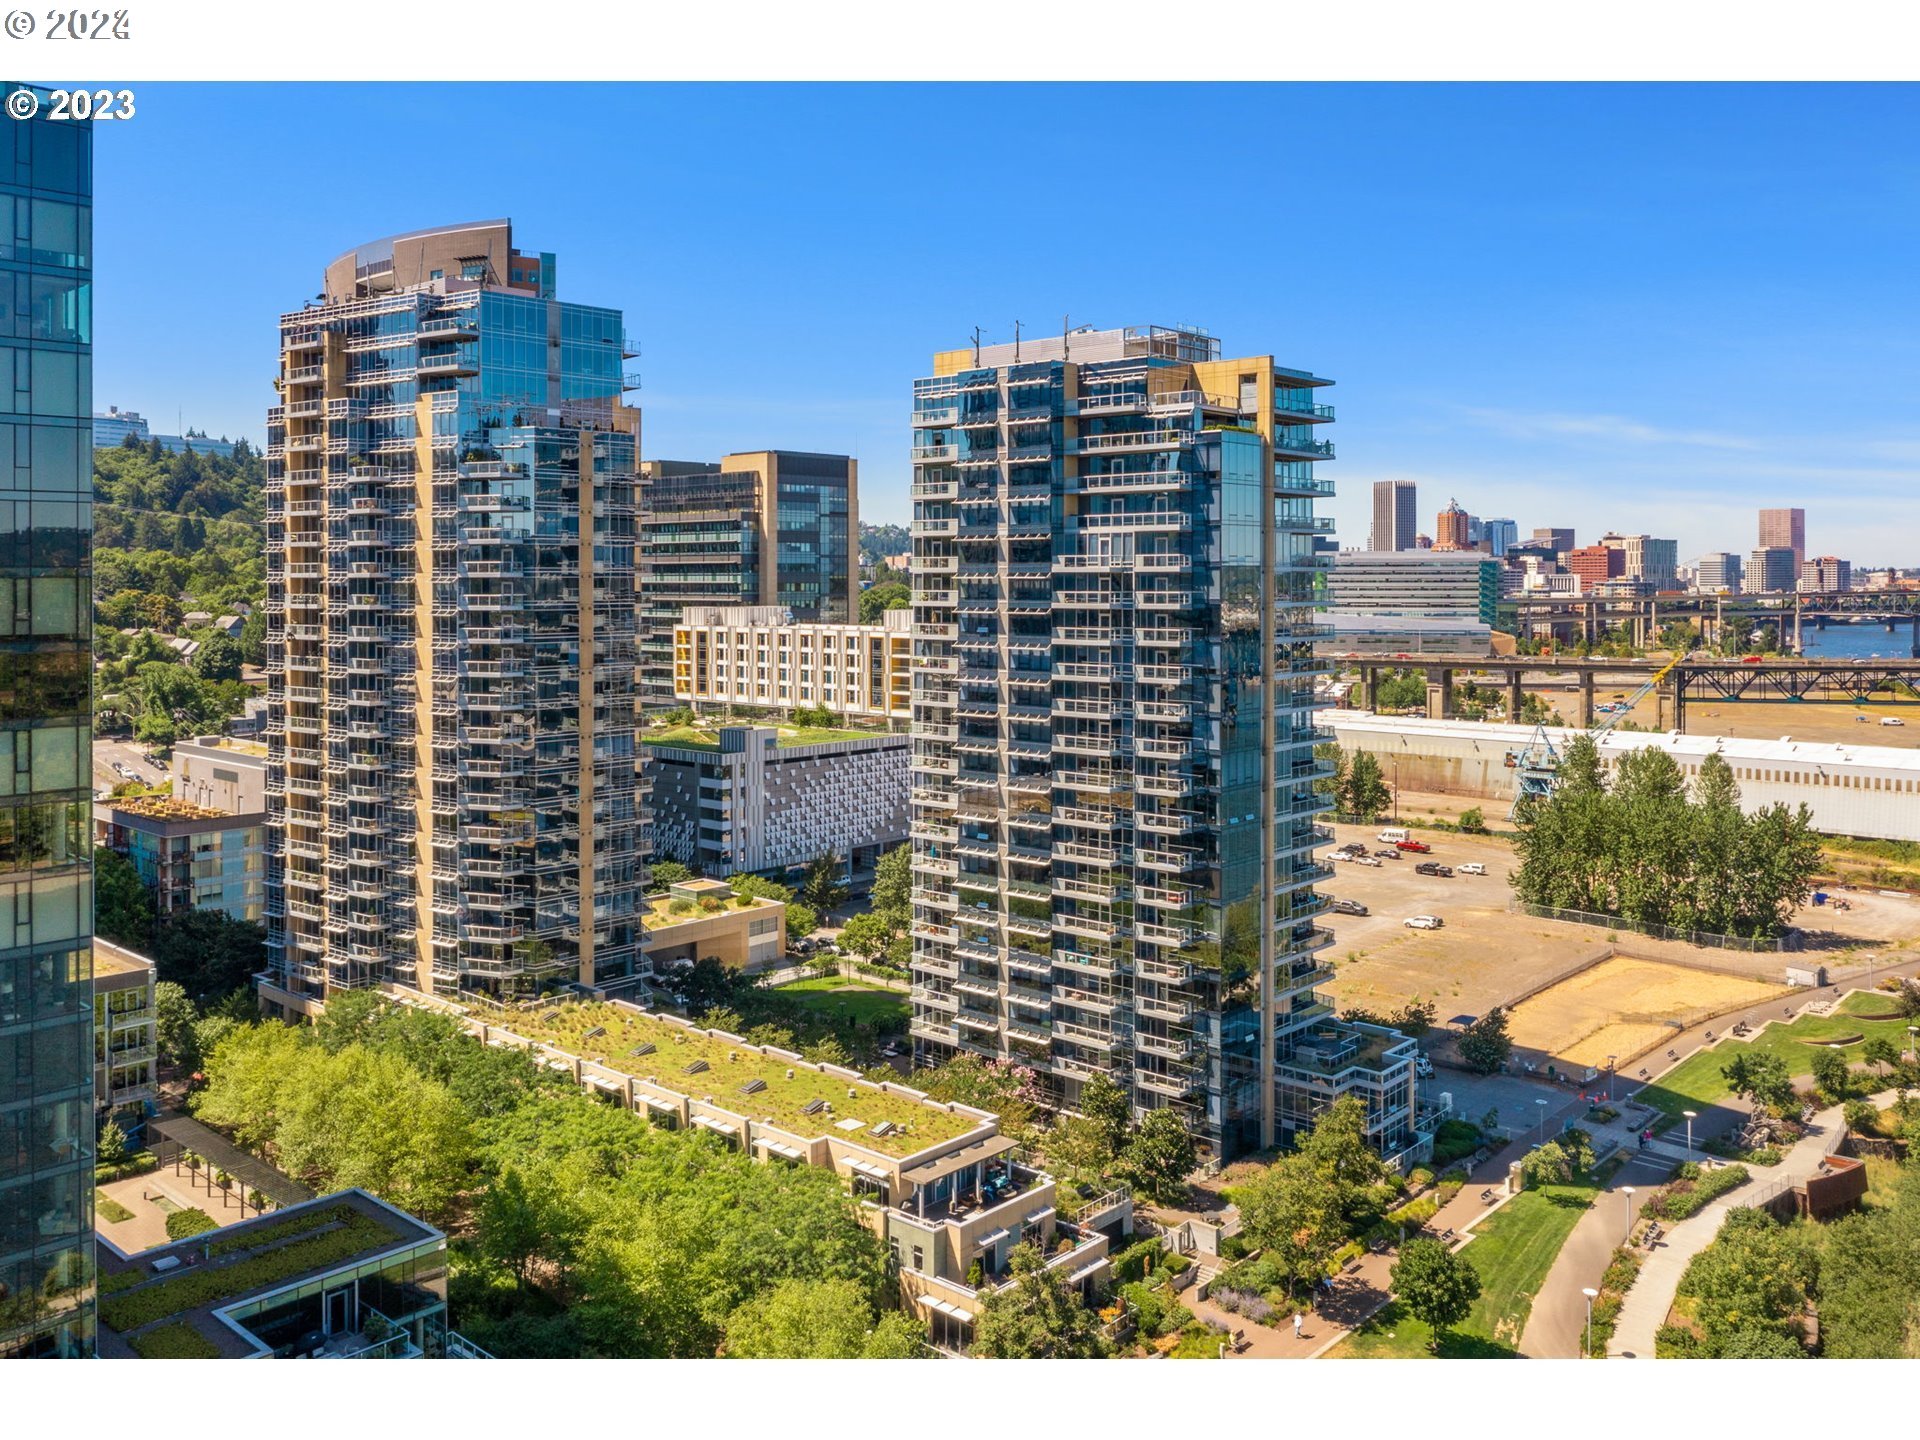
278,1231
178,1341
1134,1262
139,1163
208,1285
184,1224
1694,1191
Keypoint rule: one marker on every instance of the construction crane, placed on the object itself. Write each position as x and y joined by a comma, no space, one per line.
1536,765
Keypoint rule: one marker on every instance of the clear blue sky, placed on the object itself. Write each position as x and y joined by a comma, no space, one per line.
1641,308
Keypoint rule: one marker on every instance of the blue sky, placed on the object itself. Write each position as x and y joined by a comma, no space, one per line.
1645,308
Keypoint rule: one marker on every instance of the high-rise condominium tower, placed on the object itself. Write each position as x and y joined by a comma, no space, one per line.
46,885
771,527
450,629
1451,528
1785,530
1394,520
1114,820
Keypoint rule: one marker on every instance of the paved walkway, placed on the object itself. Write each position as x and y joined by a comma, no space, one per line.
1647,1304
1559,1314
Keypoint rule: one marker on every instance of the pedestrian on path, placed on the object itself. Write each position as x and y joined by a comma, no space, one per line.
1297,1323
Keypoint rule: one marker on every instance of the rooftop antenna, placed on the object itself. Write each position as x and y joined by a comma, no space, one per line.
1066,332
1016,342
976,347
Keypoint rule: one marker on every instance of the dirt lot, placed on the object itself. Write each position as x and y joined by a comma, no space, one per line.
1818,720
1622,1007
1485,956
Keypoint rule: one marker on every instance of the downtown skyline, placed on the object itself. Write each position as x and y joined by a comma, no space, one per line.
1517,315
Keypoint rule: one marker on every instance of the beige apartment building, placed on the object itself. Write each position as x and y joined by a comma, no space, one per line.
759,657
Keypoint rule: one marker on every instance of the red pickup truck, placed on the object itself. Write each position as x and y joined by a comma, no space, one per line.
1417,847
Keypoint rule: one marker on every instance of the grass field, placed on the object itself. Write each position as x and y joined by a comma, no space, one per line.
858,1001
1697,1082
1512,1253
1620,1008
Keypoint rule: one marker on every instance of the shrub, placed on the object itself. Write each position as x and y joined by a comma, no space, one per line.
182,1224
1694,1190
1136,1261
178,1341
1455,1140
1159,1313
138,1163
1176,1264
111,1210
1676,1342
280,1230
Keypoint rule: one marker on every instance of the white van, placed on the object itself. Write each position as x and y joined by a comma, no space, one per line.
1392,835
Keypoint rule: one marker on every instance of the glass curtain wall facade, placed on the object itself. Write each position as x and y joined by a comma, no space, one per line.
452,794
1114,821
46,885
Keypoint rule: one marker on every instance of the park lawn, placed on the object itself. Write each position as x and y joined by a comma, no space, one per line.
1697,1083
1512,1253
831,997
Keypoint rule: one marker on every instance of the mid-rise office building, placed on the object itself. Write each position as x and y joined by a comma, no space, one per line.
1827,575
768,527
1772,570
1558,539
760,657
125,1053
46,989
450,510
1428,584
190,857
1718,573
1650,559
1395,521
1114,816
749,801
1597,564
1785,529
1453,528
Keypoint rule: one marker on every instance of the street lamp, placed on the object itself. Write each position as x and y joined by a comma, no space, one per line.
1691,1115
1592,1295
1610,1060
1627,1190
1543,1120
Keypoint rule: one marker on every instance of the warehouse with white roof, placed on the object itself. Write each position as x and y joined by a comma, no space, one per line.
1871,792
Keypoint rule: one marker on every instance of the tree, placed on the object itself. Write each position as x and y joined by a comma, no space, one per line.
1761,1076
1367,793
1334,784
1881,1052
1292,1210
1832,1073
824,885
1037,1317
1757,1274
668,873
802,919
1437,1286
893,884
1473,821
123,907
514,1224
1484,1045
1547,1164
218,658
1337,1147
1159,1157
866,935
209,953
174,1017
875,600
820,1320
1106,1105
110,1147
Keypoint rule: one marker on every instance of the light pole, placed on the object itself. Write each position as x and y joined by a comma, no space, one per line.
1610,1060
1543,1121
1913,1042
1627,1190
1592,1295
1691,1115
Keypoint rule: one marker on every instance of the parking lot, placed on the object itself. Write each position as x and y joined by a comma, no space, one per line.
107,752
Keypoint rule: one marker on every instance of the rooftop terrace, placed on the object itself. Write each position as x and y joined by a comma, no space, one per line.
703,1063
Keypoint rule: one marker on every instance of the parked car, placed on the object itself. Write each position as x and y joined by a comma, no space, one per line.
1427,867
1388,854
1392,835
1342,855
1423,1067
1367,860
1354,847
1348,907
1473,867
1891,720
1424,922
1417,847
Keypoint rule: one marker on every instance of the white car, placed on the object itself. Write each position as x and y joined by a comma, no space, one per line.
1891,720
1346,855
1424,922
1372,860
1472,867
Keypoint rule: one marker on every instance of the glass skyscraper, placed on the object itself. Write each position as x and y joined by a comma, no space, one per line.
451,784
46,881
1114,820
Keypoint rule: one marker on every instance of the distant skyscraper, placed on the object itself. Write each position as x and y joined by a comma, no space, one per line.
450,625
1114,812
1501,535
1555,538
1771,571
1450,530
771,527
1395,521
1597,564
46,964
1718,573
1827,575
1785,529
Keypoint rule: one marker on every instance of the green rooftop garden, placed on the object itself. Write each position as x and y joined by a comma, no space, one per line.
707,737
728,1067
